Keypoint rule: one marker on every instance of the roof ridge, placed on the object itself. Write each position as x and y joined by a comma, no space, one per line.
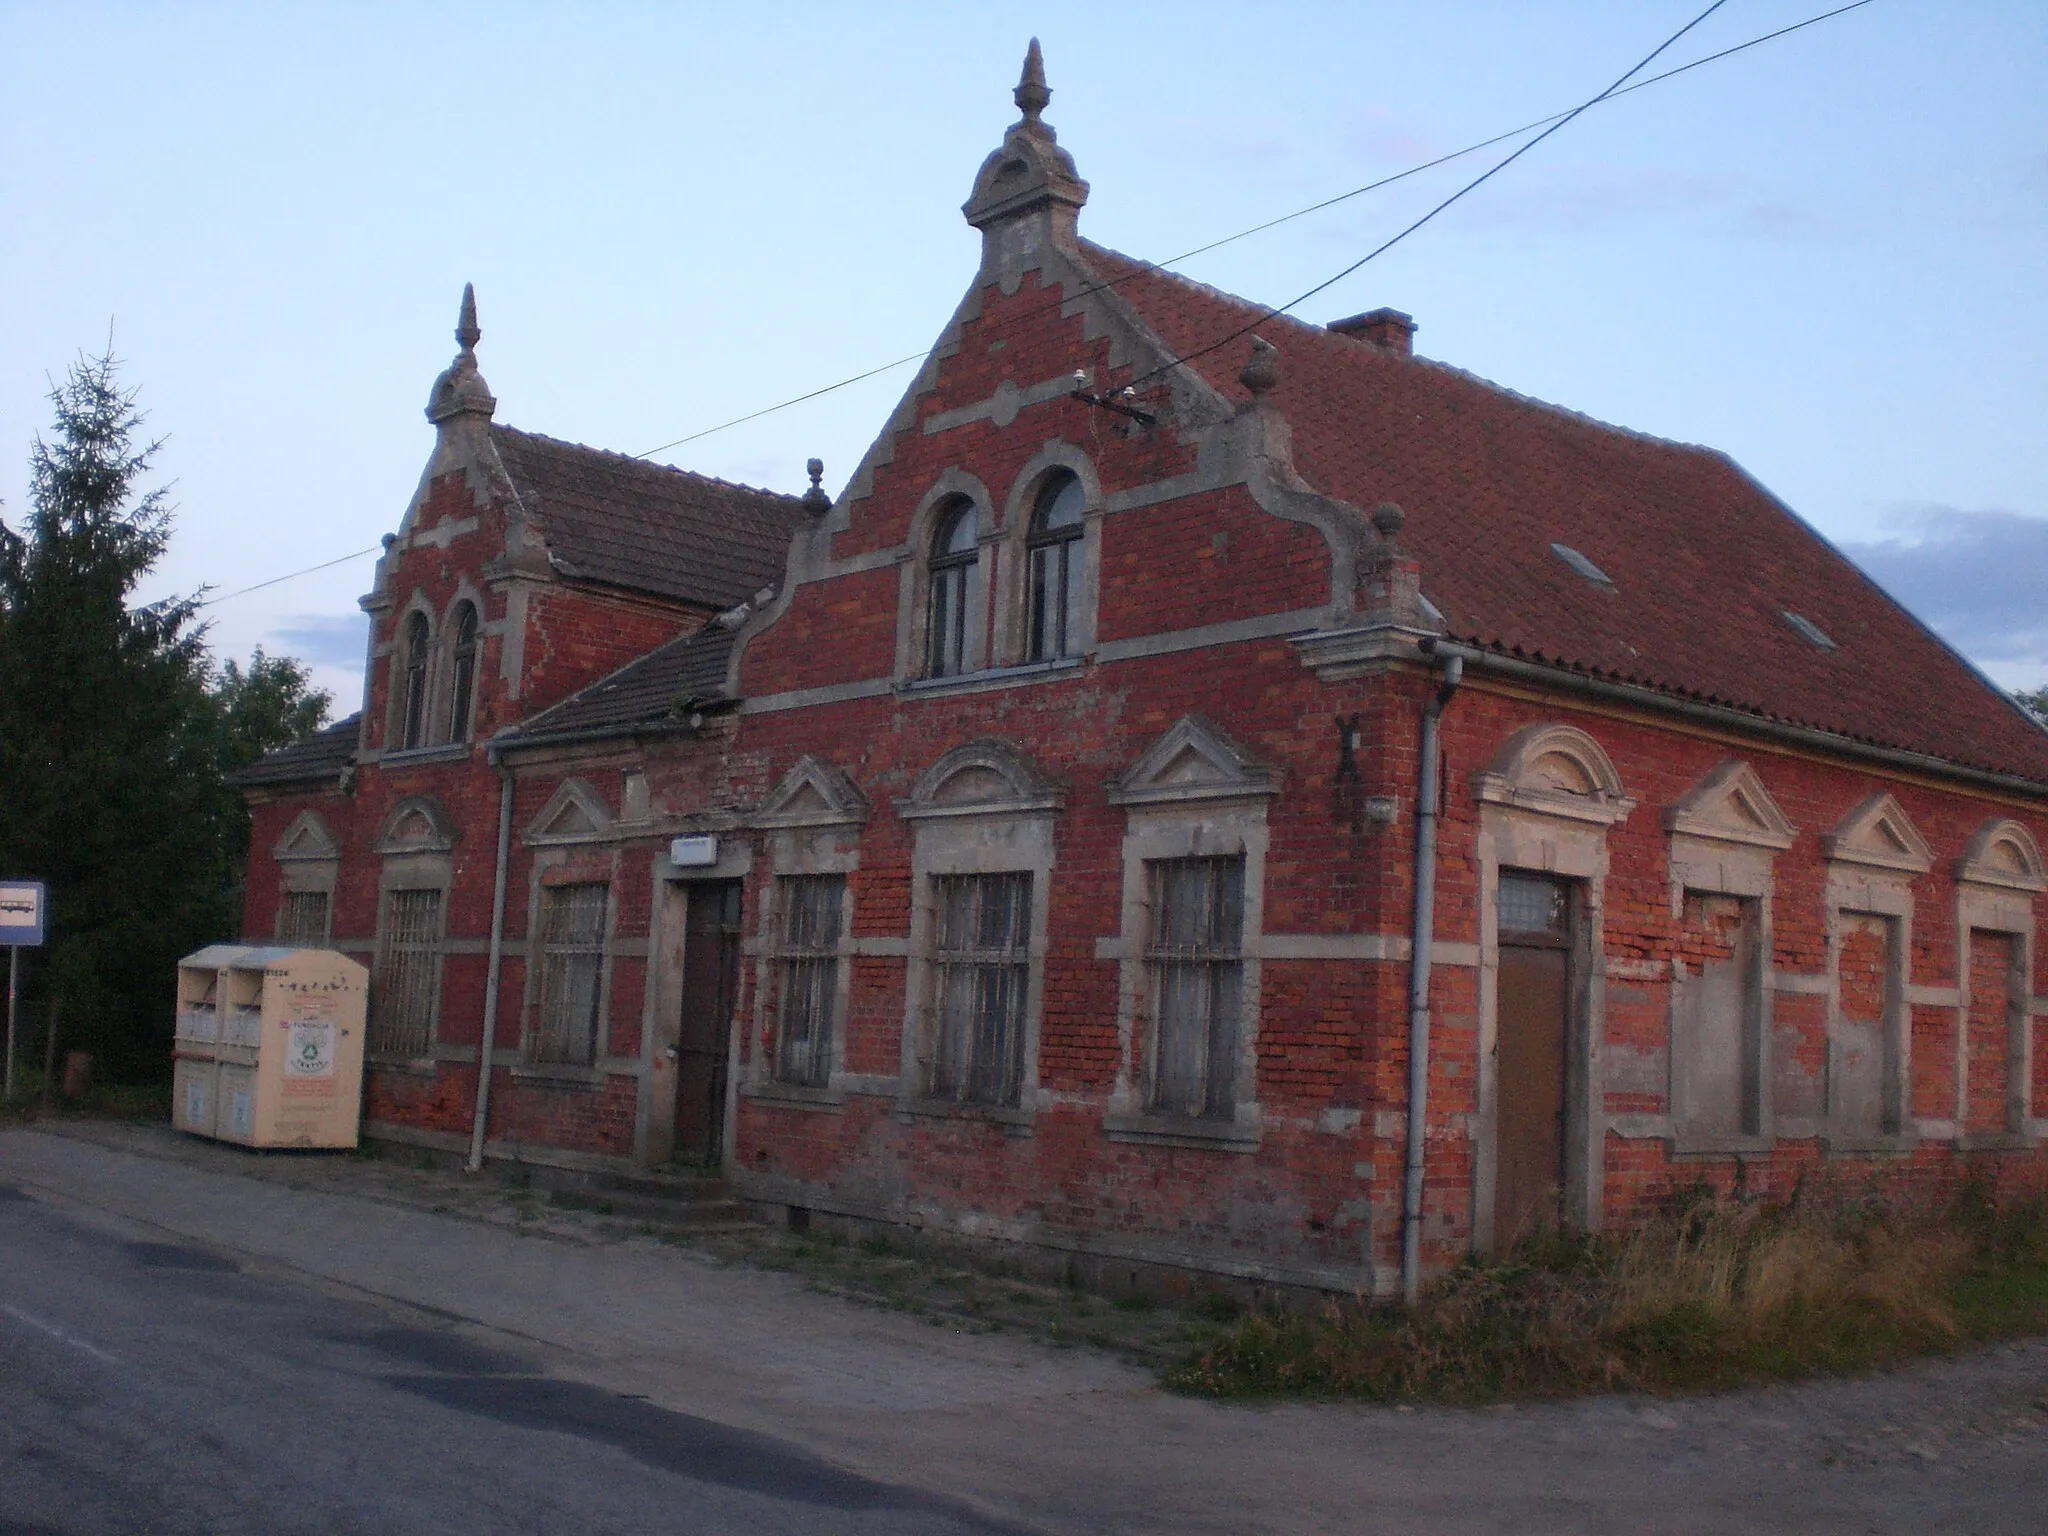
1323,333
635,462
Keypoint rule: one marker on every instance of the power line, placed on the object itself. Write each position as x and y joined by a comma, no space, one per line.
213,602
1558,119
1471,186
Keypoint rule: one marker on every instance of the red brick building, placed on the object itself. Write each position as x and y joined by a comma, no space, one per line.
1034,843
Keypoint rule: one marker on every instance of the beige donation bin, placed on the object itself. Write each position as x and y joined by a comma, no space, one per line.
269,1048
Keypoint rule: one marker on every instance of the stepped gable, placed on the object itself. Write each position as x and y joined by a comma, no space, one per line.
649,527
320,758
646,694
1704,563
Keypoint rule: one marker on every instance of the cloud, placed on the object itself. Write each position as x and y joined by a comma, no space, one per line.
1978,579
324,640
1378,133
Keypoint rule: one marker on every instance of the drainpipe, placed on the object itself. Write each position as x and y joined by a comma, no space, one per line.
1427,812
497,960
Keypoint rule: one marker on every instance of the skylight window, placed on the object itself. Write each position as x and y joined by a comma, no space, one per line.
1809,631
1582,565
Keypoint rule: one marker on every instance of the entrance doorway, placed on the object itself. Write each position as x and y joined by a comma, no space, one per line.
711,973
1532,1024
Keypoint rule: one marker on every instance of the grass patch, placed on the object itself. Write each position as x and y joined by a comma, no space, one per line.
1711,1293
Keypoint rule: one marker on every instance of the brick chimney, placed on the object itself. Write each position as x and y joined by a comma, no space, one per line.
1385,328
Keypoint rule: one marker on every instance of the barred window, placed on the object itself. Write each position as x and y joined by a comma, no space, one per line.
981,962
302,920
402,1023
1196,959
811,906
571,974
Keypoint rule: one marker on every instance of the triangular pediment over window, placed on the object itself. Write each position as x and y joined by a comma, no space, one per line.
1194,760
985,777
417,824
306,838
1731,805
1878,833
2004,853
812,794
573,814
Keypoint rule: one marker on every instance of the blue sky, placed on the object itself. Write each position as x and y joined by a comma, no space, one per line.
1823,256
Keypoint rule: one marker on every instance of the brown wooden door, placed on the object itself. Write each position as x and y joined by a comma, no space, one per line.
1532,1024
711,971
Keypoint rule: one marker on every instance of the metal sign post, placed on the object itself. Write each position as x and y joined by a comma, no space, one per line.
23,915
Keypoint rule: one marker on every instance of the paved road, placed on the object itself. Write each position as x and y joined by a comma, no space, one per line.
414,1371
153,1386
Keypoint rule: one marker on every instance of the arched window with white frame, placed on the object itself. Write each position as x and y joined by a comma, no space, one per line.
956,552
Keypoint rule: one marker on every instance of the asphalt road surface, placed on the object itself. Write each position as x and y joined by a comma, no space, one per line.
156,1387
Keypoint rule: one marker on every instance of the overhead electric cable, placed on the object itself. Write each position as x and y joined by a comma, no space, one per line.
1556,118
213,602
1471,186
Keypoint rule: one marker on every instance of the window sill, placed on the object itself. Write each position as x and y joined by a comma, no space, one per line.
1015,1121
1176,1131
1995,1141
1864,1143
1683,1145
409,1066
446,752
559,1075
793,1095
992,677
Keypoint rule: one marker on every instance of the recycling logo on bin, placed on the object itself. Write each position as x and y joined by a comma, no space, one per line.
312,1048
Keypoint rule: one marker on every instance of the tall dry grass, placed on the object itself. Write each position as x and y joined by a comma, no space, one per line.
1710,1292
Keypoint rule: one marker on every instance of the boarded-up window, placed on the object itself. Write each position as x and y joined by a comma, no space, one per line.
1196,964
402,1022
1857,1066
302,919
1716,1018
809,964
980,971
1992,1106
572,974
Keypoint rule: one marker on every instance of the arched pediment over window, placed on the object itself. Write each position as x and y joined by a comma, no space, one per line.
307,838
1556,770
1880,834
417,824
1194,760
2004,853
982,777
1731,805
575,813
812,794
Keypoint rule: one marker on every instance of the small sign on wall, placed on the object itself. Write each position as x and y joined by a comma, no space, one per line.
693,852
21,912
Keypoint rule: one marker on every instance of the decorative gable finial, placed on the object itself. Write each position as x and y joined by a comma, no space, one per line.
1387,521
1032,94
817,501
466,333
1262,371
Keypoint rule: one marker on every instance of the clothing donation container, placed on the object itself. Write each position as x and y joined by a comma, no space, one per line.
269,1046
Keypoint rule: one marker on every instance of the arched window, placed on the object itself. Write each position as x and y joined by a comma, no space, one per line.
956,549
462,672
413,724
1055,555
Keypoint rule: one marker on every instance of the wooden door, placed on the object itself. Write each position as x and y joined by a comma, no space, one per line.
711,971
1532,1025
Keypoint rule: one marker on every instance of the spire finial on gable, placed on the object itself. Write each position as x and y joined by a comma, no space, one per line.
817,500
466,332
1031,94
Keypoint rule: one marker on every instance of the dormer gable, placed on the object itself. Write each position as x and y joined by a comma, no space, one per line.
1880,835
812,794
575,813
1194,760
1731,805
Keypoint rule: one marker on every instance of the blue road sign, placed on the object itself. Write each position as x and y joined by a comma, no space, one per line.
23,908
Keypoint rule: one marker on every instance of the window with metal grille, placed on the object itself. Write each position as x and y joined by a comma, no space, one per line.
402,1023
413,729
955,552
571,974
809,960
980,971
1196,960
1055,546
303,919
462,676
